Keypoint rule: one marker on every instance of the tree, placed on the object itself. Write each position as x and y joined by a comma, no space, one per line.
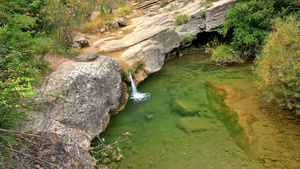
278,68
251,20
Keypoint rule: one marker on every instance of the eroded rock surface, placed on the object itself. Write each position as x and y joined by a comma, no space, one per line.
82,95
155,34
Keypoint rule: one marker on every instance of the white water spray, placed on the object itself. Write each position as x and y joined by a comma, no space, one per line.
135,95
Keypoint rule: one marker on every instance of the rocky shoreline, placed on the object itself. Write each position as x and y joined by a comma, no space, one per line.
82,93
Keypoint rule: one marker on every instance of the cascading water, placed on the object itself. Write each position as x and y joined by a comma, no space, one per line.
135,95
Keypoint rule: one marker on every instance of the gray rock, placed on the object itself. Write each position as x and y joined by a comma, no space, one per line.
82,96
81,43
121,22
86,57
215,15
102,41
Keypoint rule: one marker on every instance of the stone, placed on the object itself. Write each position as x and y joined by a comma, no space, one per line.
99,42
185,107
82,96
158,29
86,57
121,22
131,39
216,14
195,124
82,42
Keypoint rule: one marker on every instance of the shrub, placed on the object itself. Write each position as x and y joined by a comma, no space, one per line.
43,45
278,68
181,19
250,22
187,39
224,54
92,27
125,10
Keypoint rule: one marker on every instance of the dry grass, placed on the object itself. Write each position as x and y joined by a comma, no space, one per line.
92,27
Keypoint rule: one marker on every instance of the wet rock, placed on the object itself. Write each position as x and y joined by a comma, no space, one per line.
185,107
195,124
86,57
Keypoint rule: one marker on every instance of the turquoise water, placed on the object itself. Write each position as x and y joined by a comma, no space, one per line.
185,123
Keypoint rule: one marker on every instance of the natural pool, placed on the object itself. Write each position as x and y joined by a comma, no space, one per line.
185,123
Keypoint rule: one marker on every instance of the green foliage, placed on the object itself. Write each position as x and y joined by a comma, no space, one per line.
224,54
43,45
17,32
251,20
141,1
207,3
278,68
164,3
181,19
189,50
17,77
187,39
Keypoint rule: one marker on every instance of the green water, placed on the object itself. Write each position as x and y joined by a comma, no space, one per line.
185,123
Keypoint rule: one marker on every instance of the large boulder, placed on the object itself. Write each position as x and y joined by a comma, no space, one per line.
81,96
148,56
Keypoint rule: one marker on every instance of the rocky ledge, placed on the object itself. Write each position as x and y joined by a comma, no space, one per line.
155,34
82,94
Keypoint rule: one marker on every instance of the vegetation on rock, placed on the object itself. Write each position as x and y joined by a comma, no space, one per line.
181,19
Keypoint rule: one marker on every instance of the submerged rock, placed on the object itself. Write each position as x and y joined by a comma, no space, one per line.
185,107
195,124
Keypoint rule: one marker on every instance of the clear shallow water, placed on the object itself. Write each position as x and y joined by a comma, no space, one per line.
185,123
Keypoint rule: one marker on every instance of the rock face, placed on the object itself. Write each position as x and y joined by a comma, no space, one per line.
82,96
155,34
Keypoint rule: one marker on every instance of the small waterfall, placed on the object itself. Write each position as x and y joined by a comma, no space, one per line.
135,95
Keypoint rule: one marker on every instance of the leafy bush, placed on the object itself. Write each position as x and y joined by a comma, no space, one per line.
43,45
17,32
224,54
250,22
181,19
16,82
278,68
187,39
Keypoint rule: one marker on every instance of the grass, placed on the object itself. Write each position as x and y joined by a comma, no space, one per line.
181,19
